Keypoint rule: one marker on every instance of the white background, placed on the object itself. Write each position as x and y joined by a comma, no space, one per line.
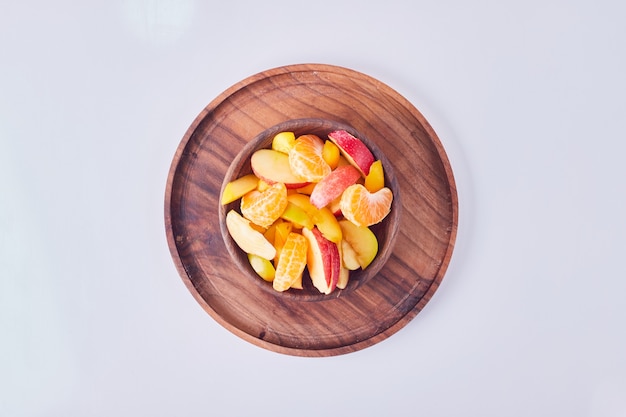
528,98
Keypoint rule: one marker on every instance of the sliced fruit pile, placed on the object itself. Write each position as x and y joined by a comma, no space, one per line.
309,204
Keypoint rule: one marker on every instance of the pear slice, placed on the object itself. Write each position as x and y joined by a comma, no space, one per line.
248,239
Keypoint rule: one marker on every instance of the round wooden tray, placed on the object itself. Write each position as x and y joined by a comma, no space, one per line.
344,321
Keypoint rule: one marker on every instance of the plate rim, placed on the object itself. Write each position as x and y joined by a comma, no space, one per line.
306,352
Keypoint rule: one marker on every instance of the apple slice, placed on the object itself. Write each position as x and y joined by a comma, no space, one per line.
262,267
332,185
323,261
237,188
248,239
344,277
335,207
355,151
344,273
349,258
362,240
297,215
272,166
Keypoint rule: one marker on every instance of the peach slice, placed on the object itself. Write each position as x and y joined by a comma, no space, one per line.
273,166
323,261
283,142
362,240
327,223
262,267
303,201
331,154
355,151
270,232
237,188
247,238
280,236
307,189
375,180
323,218
331,186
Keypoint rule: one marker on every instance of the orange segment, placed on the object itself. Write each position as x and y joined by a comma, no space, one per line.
280,237
291,262
364,208
263,208
306,160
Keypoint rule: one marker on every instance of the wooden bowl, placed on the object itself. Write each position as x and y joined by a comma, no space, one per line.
385,231
424,228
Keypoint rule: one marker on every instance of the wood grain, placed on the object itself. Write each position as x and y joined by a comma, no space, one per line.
426,216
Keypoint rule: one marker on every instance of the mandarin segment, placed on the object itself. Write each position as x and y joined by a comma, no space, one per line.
291,262
306,160
364,208
264,208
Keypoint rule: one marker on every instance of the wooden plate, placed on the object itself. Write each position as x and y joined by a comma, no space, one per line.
345,322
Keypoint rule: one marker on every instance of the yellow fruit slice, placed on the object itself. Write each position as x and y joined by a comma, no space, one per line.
323,218
263,185
291,262
297,215
280,237
375,180
238,188
307,189
283,142
262,267
331,154
297,284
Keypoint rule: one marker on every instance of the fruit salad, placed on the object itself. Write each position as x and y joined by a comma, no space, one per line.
308,205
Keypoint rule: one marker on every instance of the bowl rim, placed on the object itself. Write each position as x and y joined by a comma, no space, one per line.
302,126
